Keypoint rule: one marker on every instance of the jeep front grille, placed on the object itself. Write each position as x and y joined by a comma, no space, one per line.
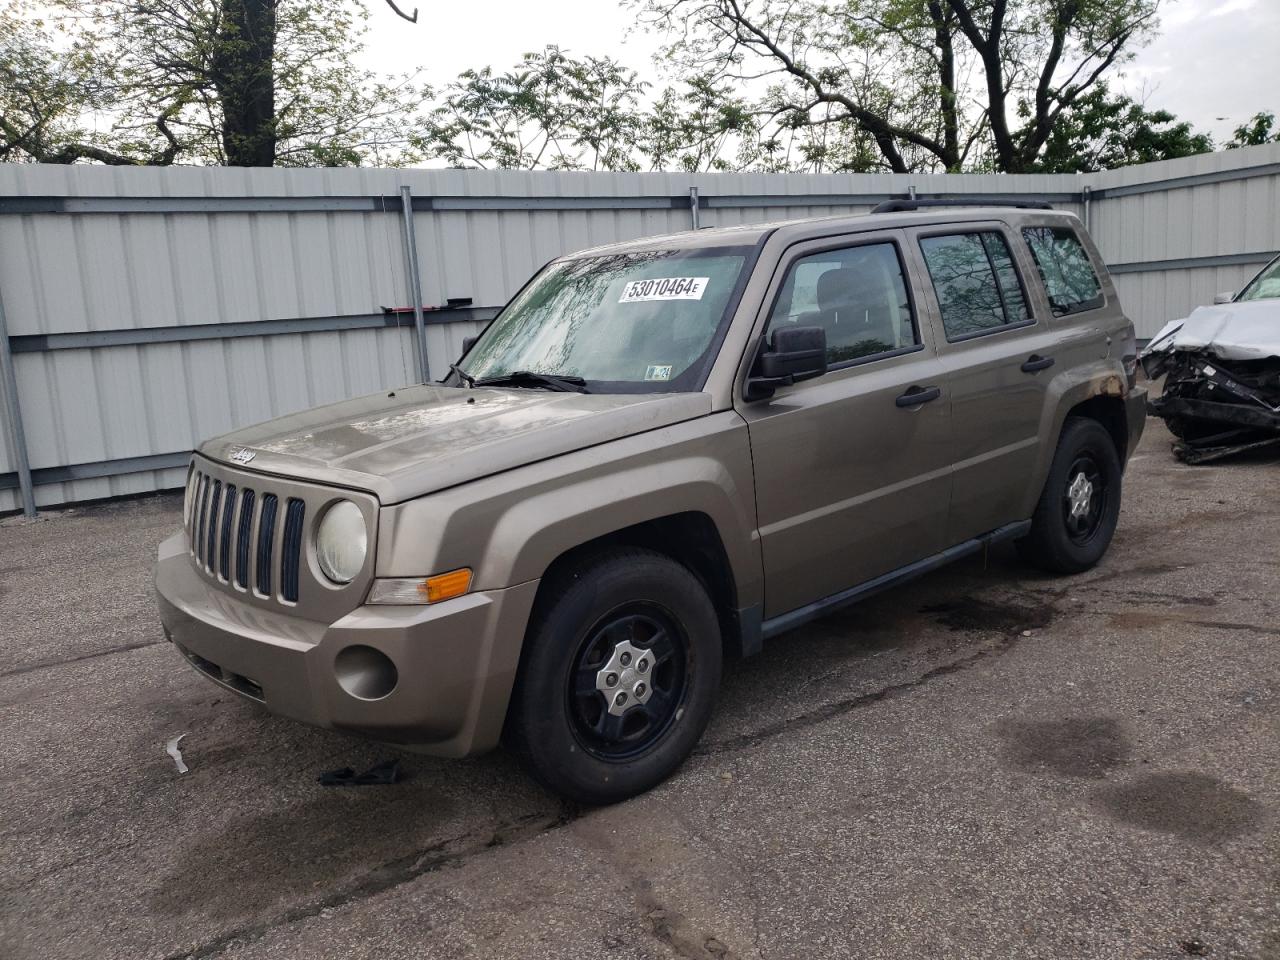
233,531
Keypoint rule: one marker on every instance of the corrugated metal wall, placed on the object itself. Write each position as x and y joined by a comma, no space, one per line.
1182,210
98,264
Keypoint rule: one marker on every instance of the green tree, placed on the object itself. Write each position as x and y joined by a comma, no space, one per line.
701,124
1102,132
1260,128
46,93
932,83
551,110
235,82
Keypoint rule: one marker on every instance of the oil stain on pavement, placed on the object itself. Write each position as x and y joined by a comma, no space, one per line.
1085,747
1190,805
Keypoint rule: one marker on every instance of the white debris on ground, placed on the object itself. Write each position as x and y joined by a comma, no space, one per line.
171,748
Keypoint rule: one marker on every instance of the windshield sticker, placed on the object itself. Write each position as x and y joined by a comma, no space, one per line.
664,288
658,372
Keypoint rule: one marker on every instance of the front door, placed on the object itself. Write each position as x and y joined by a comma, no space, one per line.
851,468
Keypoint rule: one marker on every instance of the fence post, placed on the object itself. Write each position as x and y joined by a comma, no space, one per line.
415,283
13,411
693,206
1086,198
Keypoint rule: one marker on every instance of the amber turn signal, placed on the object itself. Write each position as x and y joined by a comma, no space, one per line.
443,586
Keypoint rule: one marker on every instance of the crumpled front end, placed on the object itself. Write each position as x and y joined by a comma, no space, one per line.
1221,389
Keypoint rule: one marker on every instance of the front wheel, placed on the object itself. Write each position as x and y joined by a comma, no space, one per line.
619,677
1080,504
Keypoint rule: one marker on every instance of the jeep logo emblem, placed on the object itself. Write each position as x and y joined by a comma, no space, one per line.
243,455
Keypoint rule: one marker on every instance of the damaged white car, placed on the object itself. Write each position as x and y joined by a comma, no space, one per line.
1222,372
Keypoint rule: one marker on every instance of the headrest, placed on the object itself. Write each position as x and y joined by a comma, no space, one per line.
856,283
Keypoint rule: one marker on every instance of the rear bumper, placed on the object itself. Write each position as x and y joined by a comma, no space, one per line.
455,662
1135,410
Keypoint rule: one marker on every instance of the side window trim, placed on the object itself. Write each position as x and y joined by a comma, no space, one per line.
1003,230
995,275
791,256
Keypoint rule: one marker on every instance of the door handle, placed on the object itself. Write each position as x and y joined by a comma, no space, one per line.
915,396
1036,363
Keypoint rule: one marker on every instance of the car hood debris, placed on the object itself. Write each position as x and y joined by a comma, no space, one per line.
1222,379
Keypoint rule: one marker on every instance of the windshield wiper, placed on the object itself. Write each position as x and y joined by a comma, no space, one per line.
465,377
523,378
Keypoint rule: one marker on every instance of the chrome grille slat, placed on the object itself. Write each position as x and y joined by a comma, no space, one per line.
266,541
204,505
291,550
224,535
247,501
211,533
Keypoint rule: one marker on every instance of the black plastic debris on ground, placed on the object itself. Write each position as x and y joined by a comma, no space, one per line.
383,773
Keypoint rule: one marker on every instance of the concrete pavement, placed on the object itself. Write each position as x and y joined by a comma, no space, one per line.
986,763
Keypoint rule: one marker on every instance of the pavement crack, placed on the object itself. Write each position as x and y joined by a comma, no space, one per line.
450,852
838,708
110,651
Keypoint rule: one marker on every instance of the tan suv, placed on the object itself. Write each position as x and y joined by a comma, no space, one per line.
659,454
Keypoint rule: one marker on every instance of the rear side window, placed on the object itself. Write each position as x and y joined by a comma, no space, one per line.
857,295
1069,277
976,282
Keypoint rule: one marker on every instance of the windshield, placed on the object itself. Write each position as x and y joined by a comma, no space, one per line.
624,322
1265,286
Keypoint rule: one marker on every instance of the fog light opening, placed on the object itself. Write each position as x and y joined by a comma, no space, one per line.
365,673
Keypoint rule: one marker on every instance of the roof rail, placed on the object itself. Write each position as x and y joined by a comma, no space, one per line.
902,204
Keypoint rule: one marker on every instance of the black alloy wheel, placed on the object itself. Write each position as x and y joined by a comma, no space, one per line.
628,681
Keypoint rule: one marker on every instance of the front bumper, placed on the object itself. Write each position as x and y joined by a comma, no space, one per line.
456,661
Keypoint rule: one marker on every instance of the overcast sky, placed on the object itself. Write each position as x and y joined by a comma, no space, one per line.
1215,62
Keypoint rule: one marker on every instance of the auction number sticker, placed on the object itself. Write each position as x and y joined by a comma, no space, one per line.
664,288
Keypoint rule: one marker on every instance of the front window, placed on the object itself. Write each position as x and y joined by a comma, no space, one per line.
858,295
624,322
1265,286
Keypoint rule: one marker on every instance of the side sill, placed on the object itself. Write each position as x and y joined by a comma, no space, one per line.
820,608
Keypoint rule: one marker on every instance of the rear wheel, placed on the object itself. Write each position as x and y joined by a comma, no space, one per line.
1076,516
619,677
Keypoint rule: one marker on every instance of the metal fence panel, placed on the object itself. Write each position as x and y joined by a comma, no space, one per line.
108,276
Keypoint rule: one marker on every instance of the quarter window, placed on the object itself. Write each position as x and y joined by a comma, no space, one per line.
1069,277
976,282
857,295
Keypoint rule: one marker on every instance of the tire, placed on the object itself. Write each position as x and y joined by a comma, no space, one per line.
579,657
1063,540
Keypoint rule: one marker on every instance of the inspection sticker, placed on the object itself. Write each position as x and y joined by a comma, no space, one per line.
664,288
658,372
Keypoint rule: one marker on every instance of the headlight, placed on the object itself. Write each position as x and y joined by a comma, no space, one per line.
342,542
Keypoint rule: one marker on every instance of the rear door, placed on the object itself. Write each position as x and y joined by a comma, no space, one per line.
997,351
1079,296
851,481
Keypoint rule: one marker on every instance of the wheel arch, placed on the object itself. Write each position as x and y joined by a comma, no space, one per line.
1096,392
690,538
1110,412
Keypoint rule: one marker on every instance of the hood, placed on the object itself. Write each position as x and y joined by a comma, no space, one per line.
1233,331
416,440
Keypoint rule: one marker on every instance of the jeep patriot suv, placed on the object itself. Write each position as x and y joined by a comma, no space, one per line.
661,453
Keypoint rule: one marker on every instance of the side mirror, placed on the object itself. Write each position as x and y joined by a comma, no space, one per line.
1225,297
791,355
467,344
